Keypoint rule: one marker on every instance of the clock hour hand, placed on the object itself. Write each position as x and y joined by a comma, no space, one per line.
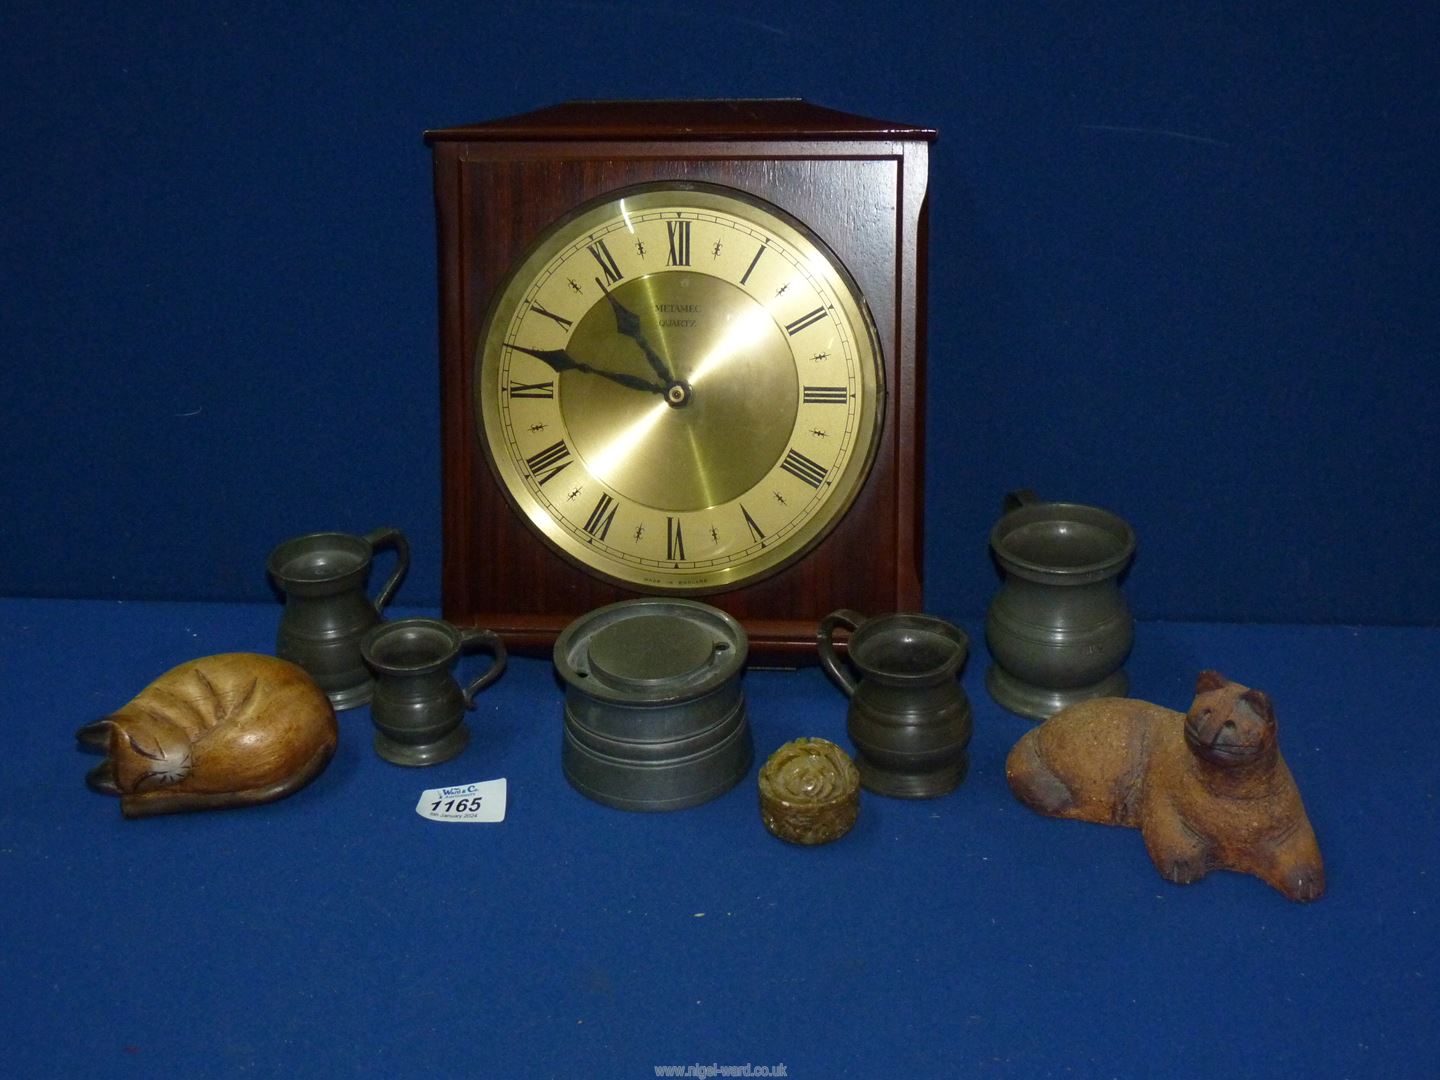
560,360
628,323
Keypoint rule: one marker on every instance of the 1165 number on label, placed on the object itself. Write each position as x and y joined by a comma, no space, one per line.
483,801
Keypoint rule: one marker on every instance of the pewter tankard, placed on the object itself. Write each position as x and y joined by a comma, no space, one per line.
419,707
327,611
1059,629
909,719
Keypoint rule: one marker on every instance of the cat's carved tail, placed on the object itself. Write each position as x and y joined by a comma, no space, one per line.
1033,781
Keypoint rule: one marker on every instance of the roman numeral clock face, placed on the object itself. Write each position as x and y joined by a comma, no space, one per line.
680,388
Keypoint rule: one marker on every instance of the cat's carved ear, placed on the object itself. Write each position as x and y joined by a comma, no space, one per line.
1260,702
1210,680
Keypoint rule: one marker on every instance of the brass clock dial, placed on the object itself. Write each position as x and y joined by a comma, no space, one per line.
680,388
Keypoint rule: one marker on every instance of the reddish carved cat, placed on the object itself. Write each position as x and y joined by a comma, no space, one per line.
1207,789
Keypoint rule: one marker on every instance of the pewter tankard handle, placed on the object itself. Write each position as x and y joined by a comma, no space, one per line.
483,638
392,538
825,644
1014,500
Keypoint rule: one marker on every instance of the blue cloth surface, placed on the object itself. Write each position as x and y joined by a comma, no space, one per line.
336,932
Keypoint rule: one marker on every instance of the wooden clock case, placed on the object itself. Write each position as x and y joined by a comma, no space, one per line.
858,184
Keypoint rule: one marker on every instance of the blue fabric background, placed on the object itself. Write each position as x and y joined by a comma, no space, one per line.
1183,265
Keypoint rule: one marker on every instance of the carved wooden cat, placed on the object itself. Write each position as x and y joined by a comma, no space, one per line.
229,730
1207,788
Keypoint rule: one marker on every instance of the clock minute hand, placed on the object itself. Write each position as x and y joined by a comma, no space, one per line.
560,360
628,323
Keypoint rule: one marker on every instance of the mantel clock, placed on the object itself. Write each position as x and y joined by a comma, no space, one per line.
681,353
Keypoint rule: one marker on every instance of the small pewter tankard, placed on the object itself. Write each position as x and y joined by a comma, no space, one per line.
419,707
327,612
909,718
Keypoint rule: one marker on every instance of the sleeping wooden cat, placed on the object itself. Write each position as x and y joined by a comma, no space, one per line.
229,730
1207,788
